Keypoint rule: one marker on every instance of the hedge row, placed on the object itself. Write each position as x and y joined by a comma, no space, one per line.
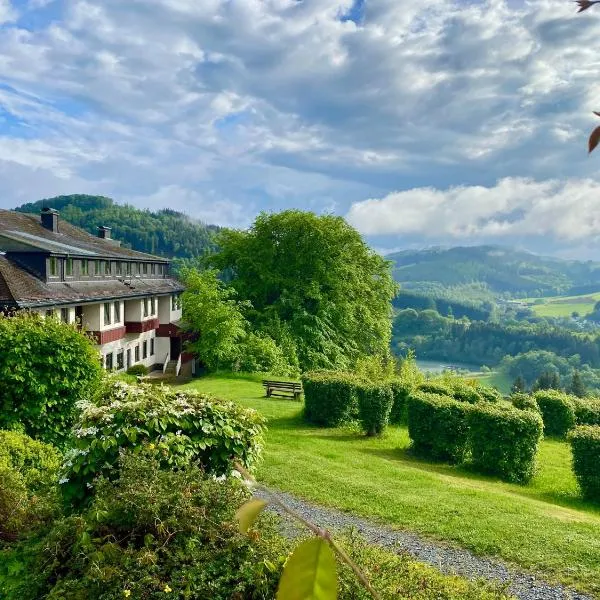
585,444
561,412
499,438
460,390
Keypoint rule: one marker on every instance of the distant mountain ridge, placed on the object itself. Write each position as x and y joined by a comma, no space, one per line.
502,270
165,232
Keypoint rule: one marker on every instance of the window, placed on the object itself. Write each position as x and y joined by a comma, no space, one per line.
145,351
151,346
64,315
128,268
96,268
117,312
107,313
174,302
53,267
137,354
84,268
108,362
152,306
49,314
145,268
69,267
119,269
145,307
120,360
106,267
153,269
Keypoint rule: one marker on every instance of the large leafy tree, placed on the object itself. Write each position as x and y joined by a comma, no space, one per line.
312,280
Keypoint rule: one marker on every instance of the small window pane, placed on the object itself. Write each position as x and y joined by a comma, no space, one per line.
53,267
145,307
49,314
152,347
120,360
145,351
69,267
96,267
137,354
145,267
64,315
106,268
119,268
107,313
128,268
117,312
108,362
84,267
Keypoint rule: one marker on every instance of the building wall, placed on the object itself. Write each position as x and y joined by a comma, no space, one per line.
130,342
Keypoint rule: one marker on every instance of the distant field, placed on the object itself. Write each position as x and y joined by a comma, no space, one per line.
563,306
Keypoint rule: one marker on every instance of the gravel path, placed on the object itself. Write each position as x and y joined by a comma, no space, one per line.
447,559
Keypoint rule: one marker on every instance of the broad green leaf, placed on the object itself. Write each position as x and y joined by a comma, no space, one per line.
309,573
248,513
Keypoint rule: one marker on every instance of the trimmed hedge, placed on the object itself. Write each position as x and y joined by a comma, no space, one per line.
464,392
585,444
587,411
330,397
401,391
374,406
435,387
524,402
438,426
557,411
489,394
504,440
138,369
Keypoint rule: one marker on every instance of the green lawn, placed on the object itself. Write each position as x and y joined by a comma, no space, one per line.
542,527
564,306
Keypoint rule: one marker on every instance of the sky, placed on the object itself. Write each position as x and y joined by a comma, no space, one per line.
448,122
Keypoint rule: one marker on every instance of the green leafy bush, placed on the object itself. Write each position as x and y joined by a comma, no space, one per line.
438,426
374,405
259,353
587,411
152,534
45,368
504,440
177,427
435,387
138,369
489,394
330,397
557,411
28,483
463,392
524,402
401,391
585,445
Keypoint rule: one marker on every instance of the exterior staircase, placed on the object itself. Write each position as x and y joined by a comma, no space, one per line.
171,368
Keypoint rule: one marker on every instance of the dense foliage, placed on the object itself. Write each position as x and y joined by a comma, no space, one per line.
438,426
178,428
557,410
401,390
151,533
504,440
330,397
165,233
28,484
585,445
312,280
375,402
46,367
524,402
587,410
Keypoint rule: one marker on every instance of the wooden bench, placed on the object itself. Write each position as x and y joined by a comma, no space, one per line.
285,389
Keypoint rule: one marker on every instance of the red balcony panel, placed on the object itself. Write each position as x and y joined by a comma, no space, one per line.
110,335
141,326
168,330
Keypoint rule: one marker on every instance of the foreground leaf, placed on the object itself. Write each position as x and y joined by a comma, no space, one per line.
309,573
248,513
594,139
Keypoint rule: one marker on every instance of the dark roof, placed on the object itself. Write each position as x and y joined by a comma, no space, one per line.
20,289
24,232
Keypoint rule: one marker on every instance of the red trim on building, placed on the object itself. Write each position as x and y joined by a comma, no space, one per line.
111,335
141,326
167,330
186,357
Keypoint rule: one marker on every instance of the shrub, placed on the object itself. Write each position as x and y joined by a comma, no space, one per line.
524,402
138,369
463,392
435,387
178,427
45,367
587,411
585,445
437,426
330,397
261,354
151,534
557,411
374,405
504,440
401,390
28,483
489,394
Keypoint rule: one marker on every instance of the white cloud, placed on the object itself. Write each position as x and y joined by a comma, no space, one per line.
7,12
566,210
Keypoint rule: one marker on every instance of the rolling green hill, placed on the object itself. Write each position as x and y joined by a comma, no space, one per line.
165,233
502,271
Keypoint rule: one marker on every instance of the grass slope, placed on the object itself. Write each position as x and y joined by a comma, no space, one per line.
542,527
564,306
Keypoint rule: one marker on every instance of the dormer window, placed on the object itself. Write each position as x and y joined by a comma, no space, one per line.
145,267
119,269
128,268
53,266
97,268
69,267
106,267
84,268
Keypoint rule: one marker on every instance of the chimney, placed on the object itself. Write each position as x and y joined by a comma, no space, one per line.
50,219
104,232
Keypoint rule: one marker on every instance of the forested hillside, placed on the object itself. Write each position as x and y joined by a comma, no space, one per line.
165,233
502,271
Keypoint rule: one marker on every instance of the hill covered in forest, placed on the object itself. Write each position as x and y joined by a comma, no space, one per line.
501,271
165,232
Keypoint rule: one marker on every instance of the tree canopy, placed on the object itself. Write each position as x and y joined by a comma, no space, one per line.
312,280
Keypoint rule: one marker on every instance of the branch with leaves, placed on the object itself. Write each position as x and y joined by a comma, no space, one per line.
595,135
310,571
